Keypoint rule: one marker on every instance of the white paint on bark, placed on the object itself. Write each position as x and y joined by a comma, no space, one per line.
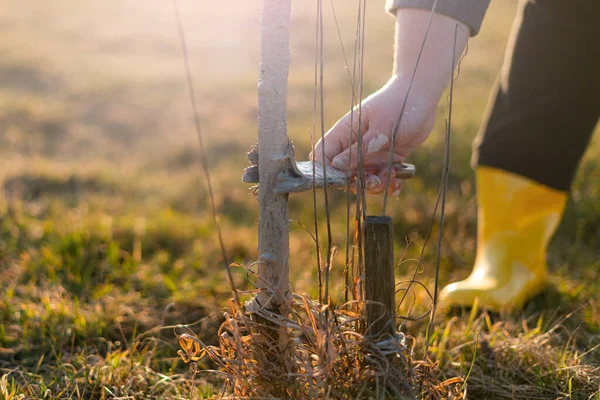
273,224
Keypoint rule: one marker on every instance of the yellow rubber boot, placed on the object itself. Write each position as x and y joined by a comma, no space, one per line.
516,219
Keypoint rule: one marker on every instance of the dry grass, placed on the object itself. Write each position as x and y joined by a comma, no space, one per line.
314,352
320,351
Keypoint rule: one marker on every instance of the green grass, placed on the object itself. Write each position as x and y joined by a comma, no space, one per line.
106,235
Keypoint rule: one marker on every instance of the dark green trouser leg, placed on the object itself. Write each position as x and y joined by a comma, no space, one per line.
547,98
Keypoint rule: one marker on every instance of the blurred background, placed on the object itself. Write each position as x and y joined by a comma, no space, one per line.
105,224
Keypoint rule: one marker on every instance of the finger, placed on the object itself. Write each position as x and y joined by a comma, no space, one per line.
383,179
376,152
338,138
395,183
396,187
373,142
381,161
373,184
354,184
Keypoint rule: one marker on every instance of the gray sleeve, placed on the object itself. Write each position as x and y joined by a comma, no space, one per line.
469,12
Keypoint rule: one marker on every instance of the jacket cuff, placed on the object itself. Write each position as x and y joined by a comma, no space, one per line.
469,12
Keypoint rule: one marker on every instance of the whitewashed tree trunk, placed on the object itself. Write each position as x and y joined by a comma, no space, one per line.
273,148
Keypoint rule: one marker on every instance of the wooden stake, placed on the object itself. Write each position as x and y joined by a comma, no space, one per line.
379,275
273,148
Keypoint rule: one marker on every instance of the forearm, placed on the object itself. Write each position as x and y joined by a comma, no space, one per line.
435,65
469,12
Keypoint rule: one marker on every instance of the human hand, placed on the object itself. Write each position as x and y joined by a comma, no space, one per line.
380,113
445,42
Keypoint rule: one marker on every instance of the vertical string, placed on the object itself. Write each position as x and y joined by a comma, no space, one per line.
444,190
327,211
350,239
361,206
394,136
314,188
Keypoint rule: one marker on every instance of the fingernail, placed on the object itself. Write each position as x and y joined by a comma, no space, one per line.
340,161
372,181
396,192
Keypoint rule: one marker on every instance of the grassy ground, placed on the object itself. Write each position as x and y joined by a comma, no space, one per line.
106,236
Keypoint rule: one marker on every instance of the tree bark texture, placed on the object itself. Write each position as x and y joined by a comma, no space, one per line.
273,148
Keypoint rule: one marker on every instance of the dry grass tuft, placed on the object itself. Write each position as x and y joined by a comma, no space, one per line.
315,351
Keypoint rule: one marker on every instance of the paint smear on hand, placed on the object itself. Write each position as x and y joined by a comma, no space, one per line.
378,143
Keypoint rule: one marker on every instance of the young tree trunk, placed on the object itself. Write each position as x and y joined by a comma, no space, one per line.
273,148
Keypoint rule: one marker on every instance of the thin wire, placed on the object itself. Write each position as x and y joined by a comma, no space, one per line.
314,188
432,220
389,175
198,128
412,79
360,182
327,213
349,239
337,27
444,190
427,236
394,137
361,165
